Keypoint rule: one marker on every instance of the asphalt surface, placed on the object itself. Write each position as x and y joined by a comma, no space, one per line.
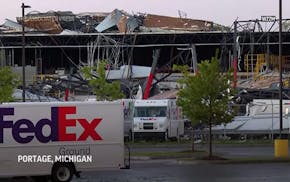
173,170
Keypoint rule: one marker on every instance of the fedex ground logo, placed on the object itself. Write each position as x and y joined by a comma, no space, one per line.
24,130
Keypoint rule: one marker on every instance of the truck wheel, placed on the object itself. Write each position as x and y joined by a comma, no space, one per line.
62,172
130,135
166,136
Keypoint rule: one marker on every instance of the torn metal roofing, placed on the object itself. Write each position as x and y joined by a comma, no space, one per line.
127,24
117,21
173,23
124,22
12,26
49,24
110,21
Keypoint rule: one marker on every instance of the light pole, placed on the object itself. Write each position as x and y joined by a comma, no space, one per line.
280,69
23,52
235,55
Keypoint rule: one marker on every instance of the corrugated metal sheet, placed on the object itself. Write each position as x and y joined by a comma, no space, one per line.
110,21
172,23
123,21
10,26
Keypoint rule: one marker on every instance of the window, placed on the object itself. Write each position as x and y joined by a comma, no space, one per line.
150,112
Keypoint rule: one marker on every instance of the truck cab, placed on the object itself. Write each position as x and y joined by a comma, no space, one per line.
157,118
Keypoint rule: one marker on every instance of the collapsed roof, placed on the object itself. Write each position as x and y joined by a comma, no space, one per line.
117,21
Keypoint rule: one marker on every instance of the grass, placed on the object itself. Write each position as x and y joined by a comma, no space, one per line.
243,142
156,142
188,155
189,142
251,160
203,156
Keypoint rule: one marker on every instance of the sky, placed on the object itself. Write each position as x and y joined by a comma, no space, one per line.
223,12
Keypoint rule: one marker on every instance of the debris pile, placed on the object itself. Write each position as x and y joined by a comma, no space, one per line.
262,83
265,81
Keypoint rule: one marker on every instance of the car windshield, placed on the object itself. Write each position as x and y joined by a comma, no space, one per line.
150,112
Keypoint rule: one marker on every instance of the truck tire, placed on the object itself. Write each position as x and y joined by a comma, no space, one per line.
130,135
62,172
166,136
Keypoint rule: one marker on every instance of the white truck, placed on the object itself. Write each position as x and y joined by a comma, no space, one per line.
158,118
60,139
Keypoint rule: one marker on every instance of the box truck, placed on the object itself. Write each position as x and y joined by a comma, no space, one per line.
60,139
158,118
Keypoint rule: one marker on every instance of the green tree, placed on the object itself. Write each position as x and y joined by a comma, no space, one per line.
8,83
103,89
205,97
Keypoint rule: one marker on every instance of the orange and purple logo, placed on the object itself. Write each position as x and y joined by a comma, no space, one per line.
58,124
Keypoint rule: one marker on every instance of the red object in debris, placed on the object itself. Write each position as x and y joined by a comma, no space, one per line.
235,73
148,86
66,94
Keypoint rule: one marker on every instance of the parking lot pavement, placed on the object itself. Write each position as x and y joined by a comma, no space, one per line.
171,170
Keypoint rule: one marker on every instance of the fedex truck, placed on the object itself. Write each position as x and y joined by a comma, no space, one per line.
158,118
60,139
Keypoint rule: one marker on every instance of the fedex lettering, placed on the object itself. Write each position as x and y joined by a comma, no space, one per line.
58,125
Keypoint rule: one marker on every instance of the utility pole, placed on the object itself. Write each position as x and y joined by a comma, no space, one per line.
235,55
23,51
280,69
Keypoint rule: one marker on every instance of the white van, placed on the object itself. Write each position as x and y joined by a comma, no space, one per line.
158,118
60,139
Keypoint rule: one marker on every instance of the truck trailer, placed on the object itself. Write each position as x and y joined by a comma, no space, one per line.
60,139
158,118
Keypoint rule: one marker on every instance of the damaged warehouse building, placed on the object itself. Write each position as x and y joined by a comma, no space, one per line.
59,44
